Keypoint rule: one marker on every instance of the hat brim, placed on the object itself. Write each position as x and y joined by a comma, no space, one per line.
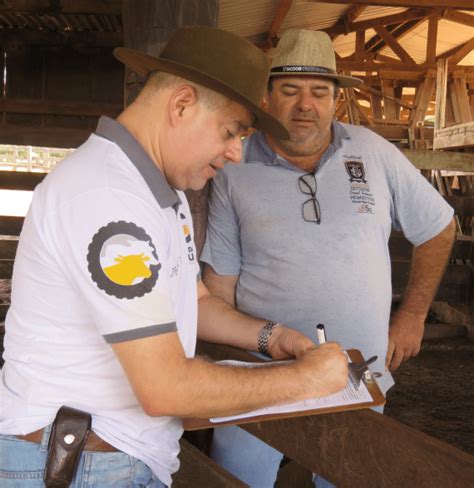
344,81
144,64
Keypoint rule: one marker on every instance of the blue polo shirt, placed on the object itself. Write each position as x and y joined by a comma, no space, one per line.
338,272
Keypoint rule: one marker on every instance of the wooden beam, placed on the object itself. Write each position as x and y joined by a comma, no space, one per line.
109,7
411,14
377,43
360,45
10,226
393,44
59,107
346,19
43,136
63,38
443,4
424,93
431,40
197,469
463,51
280,15
378,93
462,99
453,137
459,17
389,106
350,65
19,180
341,446
441,92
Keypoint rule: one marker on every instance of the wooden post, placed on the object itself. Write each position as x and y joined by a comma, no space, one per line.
390,107
148,25
441,83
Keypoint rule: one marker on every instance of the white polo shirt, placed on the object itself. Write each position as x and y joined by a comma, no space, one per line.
106,255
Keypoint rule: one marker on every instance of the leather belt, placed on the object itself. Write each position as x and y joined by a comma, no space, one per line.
94,442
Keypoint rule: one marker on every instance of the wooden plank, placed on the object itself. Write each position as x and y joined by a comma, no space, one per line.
431,40
110,7
389,106
342,28
6,269
360,45
459,17
199,470
60,107
438,160
445,4
10,226
8,248
393,44
23,135
15,180
341,446
462,98
280,15
461,135
424,94
76,39
3,311
441,85
463,51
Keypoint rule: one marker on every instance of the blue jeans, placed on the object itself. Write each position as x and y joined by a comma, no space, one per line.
250,459
22,466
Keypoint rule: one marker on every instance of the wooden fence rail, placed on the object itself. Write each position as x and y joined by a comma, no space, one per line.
360,448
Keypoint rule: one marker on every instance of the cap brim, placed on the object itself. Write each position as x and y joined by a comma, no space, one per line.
144,64
344,81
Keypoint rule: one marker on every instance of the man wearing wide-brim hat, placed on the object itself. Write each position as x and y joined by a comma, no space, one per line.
298,232
107,290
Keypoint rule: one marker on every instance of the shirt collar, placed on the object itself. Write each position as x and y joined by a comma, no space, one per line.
259,151
114,131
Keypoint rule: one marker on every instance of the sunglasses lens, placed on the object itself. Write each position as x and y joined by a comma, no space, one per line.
311,212
307,184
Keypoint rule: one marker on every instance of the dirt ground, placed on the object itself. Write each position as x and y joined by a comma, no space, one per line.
434,392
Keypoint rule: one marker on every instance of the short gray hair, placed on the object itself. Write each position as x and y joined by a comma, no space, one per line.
160,80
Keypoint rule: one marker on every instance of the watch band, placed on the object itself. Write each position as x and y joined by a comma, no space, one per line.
263,336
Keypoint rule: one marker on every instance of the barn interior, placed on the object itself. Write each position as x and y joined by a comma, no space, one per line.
58,76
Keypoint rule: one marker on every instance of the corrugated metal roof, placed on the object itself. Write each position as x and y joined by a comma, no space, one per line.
253,18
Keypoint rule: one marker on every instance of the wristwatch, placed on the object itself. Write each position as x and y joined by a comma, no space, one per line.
263,336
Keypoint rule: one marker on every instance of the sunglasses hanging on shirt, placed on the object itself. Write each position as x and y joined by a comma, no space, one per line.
311,210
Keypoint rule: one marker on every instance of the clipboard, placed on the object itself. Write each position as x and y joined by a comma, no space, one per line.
354,355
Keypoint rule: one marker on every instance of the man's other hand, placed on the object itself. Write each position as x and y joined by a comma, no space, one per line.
404,337
287,343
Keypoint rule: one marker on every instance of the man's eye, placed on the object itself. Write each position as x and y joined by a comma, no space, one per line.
230,135
288,93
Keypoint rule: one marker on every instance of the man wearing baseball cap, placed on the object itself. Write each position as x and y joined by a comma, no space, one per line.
107,300
298,233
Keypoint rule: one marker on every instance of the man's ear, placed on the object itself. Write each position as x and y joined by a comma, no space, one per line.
183,98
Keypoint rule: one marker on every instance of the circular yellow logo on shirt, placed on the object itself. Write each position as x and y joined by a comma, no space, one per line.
122,260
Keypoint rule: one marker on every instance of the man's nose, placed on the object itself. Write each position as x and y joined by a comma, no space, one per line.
233,151
304,102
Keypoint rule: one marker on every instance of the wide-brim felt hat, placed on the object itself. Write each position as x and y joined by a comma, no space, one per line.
303,52
224,62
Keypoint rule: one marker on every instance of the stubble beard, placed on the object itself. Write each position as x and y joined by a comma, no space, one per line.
306,145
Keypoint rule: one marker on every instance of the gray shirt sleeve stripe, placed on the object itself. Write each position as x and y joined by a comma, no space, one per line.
150,331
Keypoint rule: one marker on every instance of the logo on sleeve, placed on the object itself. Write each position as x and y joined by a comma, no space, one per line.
122,260
188,239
